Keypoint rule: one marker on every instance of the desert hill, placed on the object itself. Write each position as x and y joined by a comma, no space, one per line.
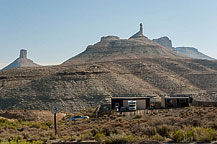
21,61
78,86
113,48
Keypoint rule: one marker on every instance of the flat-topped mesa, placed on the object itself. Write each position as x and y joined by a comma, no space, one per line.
109,38
139,34
23,53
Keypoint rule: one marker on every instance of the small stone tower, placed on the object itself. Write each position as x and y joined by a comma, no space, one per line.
23,53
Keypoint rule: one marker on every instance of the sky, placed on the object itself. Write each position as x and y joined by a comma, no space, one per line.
55,30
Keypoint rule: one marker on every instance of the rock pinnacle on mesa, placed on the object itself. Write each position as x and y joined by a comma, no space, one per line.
139,35
21,61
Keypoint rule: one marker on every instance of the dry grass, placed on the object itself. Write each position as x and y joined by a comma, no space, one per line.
179,125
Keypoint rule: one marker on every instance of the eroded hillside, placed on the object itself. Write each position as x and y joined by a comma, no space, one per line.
78,86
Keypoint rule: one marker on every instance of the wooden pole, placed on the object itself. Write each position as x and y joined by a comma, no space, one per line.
55,124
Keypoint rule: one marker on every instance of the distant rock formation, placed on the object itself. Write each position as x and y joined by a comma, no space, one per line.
113,48
192,52
22,61
164,41
184,51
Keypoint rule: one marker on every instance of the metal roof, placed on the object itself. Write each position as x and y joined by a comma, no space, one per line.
176,97
130,98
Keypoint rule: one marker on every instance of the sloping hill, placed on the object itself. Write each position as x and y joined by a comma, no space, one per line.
78,86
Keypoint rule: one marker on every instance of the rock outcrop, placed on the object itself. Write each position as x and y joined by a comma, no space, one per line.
113,48
164,41
22,61
189,52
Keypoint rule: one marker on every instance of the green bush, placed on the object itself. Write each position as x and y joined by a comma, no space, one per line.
189,136
99,137
179,136
164,130
158,137
6,123
204,134
150,131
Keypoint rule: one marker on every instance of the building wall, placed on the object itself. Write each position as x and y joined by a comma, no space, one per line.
141,104
125,103
163,102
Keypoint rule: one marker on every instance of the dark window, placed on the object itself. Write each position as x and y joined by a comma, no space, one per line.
182,100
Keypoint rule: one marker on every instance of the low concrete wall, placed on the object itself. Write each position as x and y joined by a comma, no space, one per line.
139,112
204,103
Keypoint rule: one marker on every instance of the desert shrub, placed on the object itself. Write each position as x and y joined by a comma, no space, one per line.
24,142
150,131
34,125
25,135
48,123
189,135
65,138
204,134
86,136
196,122
179,136
16,138
99,137
7,124
138,116
158,137
94,132
119,119
107,131
118,139
164,130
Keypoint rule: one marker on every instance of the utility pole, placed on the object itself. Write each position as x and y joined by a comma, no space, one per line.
55,110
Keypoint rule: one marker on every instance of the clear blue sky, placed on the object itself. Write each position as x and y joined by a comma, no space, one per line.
54,30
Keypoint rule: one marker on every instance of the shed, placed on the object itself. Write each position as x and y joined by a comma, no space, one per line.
174,102
142,103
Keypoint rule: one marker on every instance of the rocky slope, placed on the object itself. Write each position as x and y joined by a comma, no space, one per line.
184,51
22,61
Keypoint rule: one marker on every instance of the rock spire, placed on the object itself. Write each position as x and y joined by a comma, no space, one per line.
23,53
139,35
21,61
141,28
